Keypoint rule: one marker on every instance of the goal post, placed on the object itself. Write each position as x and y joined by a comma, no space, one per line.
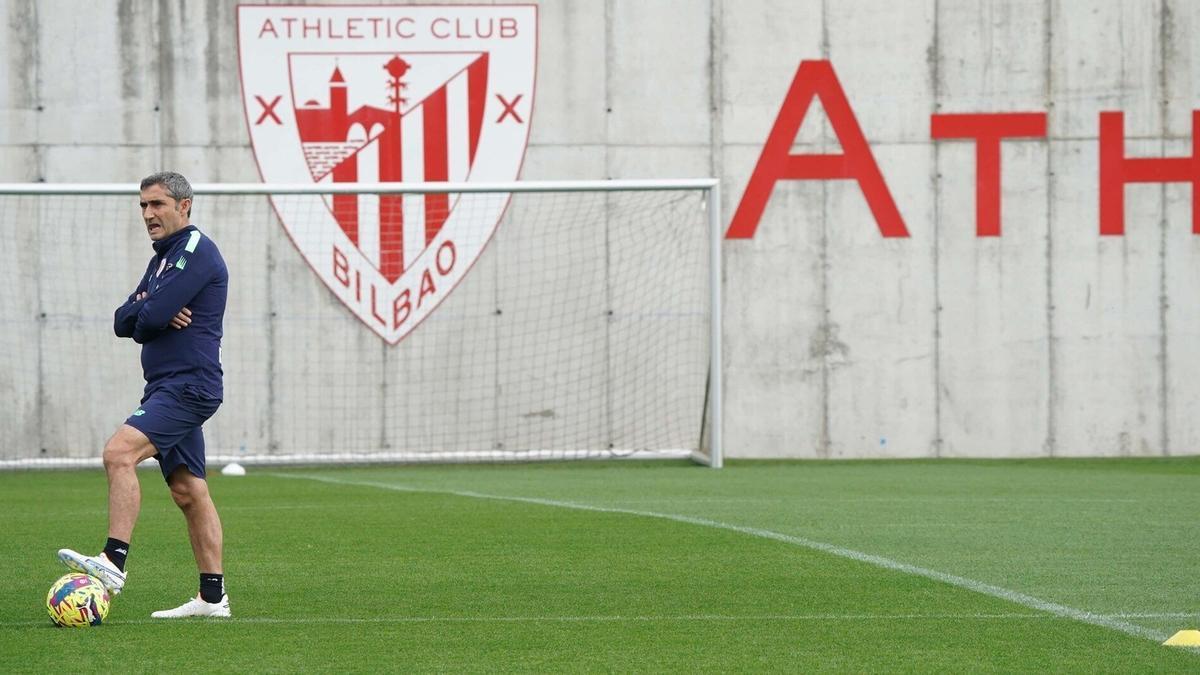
385,322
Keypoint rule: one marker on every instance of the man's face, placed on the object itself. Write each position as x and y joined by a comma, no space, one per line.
163,215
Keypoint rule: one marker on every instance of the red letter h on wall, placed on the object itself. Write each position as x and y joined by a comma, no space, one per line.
1116,170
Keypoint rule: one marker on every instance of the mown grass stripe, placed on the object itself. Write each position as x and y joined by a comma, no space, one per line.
1023,599
1002,616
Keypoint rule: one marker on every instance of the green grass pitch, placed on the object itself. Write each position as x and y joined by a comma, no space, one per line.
948,566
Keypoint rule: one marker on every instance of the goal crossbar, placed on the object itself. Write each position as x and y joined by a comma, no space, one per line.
377,188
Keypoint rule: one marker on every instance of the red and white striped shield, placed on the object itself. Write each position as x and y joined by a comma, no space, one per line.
346,94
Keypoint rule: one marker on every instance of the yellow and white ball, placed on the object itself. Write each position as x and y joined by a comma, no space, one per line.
77,601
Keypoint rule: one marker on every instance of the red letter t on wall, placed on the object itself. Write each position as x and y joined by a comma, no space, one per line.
815,79
988,129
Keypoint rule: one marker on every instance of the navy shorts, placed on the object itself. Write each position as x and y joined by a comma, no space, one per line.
171,419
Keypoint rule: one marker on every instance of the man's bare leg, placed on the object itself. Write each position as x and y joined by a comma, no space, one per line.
124,451
204,525
204,529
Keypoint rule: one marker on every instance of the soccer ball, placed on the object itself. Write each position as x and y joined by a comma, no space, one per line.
77,601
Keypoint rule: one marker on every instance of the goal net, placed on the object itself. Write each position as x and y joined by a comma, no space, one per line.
383,323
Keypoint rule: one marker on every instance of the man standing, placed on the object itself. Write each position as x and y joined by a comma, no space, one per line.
176,315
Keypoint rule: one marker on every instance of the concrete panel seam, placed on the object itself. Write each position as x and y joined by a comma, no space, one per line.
1051,397
933,57
1164,35
826,439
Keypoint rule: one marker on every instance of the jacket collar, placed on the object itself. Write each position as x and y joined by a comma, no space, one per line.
163,245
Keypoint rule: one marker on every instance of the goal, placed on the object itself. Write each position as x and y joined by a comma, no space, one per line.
423,322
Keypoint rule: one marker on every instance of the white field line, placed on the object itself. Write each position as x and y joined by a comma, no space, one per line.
891,500
1003,616
1102,620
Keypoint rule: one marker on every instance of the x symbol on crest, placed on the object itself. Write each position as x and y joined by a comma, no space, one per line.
268,110
510,108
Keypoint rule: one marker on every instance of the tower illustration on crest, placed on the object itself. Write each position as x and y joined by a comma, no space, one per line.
422,141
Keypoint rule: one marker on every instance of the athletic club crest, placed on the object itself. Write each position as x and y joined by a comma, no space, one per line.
369,94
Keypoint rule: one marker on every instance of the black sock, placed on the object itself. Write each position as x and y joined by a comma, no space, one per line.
212,587
116,550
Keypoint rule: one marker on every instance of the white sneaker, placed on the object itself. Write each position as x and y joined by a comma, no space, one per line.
196,607
98,566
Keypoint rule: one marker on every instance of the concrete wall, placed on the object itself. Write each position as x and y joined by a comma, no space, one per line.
1047,340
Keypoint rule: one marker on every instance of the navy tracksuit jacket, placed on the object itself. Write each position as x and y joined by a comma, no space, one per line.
187,270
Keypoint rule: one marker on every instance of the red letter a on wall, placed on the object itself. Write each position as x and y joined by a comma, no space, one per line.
815,78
